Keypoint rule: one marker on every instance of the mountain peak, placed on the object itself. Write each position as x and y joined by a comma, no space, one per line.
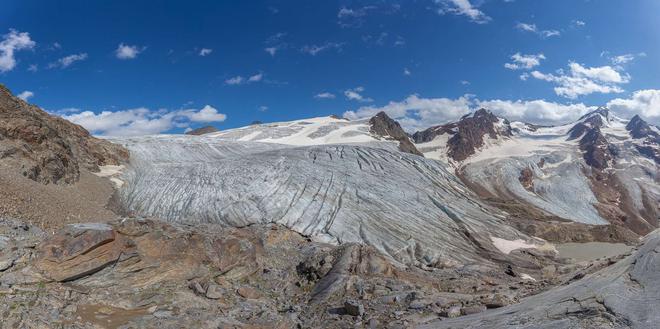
203,130
601,111
384,126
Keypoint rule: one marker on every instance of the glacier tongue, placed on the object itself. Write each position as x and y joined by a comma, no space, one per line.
410,208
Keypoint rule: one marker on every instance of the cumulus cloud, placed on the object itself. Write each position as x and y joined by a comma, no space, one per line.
67,61
527,27
25,95
536,111
406,71
416,113
325,95
355,94
124,51
646,103
582,80
205,52
525,62
12,42
462,7
316,49
141,121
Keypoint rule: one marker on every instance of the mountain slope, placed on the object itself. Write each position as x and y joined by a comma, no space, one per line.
46,148
598,170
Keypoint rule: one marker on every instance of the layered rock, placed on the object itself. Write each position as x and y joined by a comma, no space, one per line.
145,273
47,148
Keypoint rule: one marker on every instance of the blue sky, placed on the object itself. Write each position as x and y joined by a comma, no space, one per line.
179,64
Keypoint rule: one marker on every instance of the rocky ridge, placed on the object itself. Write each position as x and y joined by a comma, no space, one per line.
46,148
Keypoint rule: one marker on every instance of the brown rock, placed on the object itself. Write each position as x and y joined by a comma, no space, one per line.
80,250
46,148
248,292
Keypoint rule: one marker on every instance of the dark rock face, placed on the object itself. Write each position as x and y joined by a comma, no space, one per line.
638,128
597,151
527,179
46,148
467,134
649,145
429,134
471,132
202,131
383,125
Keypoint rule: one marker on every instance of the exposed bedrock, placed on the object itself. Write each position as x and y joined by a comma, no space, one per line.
624,295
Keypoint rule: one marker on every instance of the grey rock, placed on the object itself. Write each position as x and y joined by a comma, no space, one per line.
354,308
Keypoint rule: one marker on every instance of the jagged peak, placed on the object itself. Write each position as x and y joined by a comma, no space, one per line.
601,111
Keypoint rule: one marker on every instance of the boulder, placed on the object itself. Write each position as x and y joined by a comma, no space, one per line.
353,308
80,250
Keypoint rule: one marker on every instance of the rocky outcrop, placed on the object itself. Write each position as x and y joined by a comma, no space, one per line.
623,295
142,273
648,138
468,134
202,131
384,126
46,148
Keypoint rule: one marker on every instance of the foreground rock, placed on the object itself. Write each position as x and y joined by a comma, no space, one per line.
143,273
623,295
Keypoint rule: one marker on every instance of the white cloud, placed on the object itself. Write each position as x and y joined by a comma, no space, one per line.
128,52
11,42
141,121
205,52
271,50
350,17
237,80
527,27
536,111
646,103
465,82
325,95
526,62
584,81
256,78
462,7
416,113
263,108
406,71
33,68
355,94
579,23
65,62
240,80
315,49
25,95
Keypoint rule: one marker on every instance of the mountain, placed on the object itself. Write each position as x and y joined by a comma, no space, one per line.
379,129
202,131
598,170
330,223
47,148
